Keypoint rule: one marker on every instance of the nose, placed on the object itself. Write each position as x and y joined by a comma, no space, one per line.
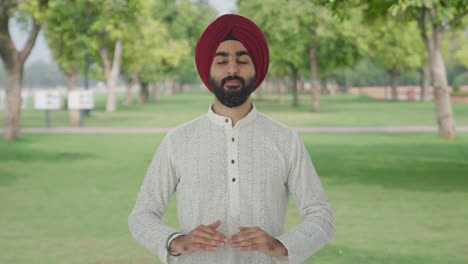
232,69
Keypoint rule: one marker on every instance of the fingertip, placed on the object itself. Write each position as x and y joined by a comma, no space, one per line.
215,224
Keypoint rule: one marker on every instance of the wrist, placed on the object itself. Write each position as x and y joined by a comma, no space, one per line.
171,247
174,245
281,249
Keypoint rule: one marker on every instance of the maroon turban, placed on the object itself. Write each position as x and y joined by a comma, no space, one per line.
243,29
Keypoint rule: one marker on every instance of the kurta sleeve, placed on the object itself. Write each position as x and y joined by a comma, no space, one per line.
317,227
145,221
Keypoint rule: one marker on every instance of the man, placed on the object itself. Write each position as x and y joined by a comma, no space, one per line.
232,169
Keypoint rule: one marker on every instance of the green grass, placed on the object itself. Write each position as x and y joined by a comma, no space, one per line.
171,111
396,198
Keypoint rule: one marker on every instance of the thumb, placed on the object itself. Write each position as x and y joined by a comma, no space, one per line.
215,224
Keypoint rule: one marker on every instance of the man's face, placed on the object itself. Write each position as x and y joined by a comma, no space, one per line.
232,74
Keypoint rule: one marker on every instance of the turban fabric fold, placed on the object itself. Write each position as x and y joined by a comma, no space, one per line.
243,29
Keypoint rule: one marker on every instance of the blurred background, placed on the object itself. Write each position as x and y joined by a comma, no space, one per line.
377,89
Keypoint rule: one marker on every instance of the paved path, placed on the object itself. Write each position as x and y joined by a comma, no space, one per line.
156,130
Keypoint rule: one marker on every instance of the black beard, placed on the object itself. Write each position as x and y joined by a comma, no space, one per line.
232,98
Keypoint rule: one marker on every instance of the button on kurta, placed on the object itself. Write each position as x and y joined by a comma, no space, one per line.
233,172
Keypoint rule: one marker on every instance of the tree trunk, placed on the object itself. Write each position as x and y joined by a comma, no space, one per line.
178,87
112,73
174,87
293,83
11,116
394,82
332,86
156,92
13,60
300,85
282,90
73,114
425,81
144,92
169,87
186,87
111,104
313,78
323,83
129,95
129,90
347,81
425,68
433,41
443,105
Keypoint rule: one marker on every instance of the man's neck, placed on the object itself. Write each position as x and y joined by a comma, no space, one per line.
235,113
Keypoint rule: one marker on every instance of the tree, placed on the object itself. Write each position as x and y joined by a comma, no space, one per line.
434,18
108,28
339,45
305,27
67,33
395,46
150,52
455,52
31,11
286,41
185,21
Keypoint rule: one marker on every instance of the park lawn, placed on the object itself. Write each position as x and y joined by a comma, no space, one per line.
396,198
346,110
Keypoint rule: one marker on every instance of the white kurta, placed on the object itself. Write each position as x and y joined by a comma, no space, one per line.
240,175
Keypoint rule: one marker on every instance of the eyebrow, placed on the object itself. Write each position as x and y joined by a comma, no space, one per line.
226,54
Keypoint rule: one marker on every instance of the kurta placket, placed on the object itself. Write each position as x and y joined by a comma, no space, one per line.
233,170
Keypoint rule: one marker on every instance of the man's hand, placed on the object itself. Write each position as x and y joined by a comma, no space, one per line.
255,239
202,238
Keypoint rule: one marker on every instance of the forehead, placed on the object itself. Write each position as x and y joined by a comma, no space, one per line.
231,46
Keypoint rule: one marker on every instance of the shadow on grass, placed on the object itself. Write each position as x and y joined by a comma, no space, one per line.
416,167
18,154
8,177
339,254
25,155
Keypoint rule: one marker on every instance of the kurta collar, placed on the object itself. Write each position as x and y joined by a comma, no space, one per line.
227,122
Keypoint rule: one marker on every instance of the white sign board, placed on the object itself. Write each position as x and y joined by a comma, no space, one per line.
47,100
24,100
80,100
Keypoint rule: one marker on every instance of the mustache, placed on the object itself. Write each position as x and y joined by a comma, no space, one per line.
230,78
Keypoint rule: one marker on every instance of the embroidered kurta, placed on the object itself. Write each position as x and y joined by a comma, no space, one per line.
241,175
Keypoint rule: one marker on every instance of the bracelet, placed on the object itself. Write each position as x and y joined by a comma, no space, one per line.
167,245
